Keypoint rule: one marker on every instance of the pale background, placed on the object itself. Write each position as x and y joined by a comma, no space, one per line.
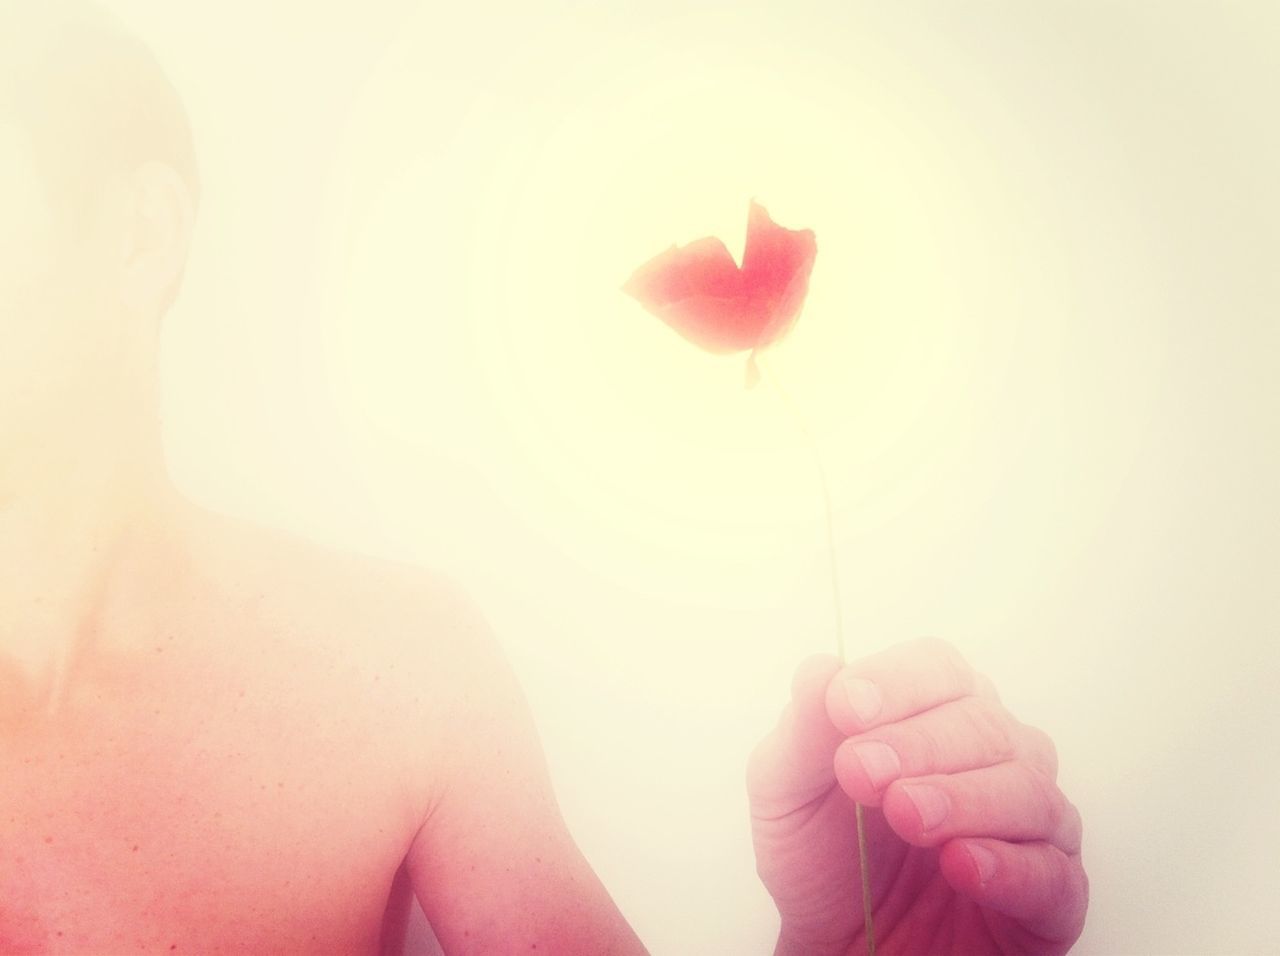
1040,353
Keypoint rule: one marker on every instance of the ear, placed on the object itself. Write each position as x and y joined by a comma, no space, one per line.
159,218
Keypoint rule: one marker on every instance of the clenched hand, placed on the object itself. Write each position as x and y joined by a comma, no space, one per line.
972,846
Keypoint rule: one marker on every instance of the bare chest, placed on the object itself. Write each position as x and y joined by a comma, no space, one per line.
253,807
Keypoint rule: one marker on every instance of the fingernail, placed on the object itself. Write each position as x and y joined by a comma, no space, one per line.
879,762
984,860
864,697
930,802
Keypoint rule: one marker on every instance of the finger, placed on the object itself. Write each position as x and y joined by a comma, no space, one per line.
1035,884
796,758
963,734
985,688
1041,750
1009,801
809,686
897,683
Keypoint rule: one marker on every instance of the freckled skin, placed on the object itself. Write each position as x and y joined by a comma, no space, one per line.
239,766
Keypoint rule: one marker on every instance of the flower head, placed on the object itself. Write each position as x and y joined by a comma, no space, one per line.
699,290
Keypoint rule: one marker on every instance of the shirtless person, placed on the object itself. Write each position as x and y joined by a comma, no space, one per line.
223,739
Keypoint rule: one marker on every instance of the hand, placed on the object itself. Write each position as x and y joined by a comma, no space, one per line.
972,846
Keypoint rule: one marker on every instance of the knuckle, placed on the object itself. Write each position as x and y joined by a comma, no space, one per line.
986,688
993,727
1072,827
1040,750
1082,882
917,748
935,646
1058,875
1067,885
1048,799
956,669
808,670
759,766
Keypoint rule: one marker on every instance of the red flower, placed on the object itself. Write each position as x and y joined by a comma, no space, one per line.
699,290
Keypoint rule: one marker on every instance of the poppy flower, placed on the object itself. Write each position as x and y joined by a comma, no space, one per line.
699,290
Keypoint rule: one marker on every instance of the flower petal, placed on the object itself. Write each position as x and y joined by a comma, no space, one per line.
776,264
718,325
701,292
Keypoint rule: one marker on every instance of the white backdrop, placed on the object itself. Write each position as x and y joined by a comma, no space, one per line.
1040,353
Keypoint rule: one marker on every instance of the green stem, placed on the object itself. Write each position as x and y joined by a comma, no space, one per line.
863,862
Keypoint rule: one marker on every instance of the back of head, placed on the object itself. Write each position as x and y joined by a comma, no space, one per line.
92,98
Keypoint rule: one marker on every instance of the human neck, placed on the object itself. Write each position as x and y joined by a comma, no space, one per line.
69,513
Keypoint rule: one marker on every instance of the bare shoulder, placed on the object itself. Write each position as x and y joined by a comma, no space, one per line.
401,642
340,601
490,858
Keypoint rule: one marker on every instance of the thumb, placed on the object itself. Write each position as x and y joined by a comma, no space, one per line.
795,762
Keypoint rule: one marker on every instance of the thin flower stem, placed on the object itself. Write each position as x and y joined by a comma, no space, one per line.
863,861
